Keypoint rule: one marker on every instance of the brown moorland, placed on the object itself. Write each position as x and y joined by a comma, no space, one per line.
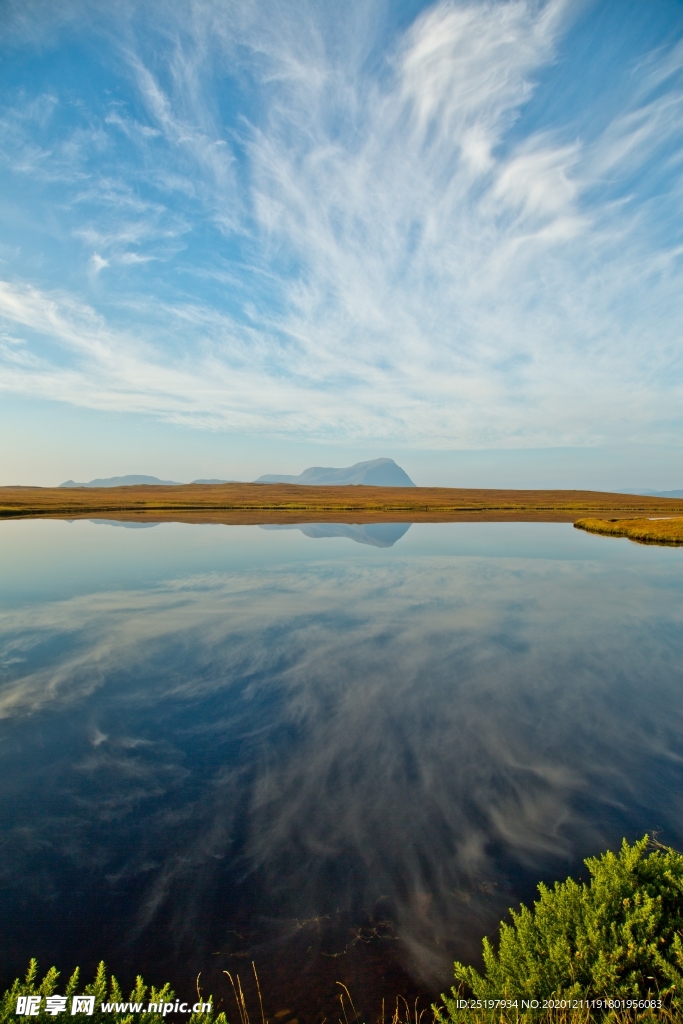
245,504
642,530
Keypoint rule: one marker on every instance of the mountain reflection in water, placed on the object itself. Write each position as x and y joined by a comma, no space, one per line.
304,753
378,535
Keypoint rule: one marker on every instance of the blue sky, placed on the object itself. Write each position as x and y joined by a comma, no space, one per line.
252,236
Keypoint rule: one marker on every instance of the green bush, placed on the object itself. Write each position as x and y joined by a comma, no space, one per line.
620,937
105,990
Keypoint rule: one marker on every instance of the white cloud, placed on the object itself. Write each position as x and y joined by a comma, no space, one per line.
412,266
98,262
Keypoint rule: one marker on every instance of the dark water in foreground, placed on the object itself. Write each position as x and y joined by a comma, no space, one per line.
341,760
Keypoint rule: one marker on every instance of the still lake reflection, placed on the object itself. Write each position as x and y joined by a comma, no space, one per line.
341,760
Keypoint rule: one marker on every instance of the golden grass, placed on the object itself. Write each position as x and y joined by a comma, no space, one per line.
403,1012
398,1011
287,503
642,530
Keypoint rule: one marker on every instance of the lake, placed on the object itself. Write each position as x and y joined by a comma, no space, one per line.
340,752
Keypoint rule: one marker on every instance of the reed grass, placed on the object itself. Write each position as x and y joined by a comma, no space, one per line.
610,951
400,1012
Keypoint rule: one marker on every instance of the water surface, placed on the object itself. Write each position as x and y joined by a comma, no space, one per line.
341,760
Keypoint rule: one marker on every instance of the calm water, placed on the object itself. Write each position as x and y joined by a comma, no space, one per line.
340,756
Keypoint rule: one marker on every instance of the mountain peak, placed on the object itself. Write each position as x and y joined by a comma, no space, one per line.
377,473
120,481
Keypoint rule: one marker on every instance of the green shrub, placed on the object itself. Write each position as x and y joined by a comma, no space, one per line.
105,990
620,937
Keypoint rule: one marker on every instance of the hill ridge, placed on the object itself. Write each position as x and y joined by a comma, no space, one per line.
375,473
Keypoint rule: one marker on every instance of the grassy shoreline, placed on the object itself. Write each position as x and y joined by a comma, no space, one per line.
285,503
641,530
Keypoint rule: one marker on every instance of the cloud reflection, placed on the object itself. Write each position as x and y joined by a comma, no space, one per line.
410,742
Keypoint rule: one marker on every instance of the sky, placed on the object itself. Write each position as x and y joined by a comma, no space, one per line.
253,236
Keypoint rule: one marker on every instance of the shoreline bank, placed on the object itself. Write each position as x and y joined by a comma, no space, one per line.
250,504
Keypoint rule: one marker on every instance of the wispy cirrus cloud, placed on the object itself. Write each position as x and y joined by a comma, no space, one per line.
363,230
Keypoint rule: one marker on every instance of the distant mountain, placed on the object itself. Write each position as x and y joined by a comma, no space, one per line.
213,481
653,494
378,473
120,481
